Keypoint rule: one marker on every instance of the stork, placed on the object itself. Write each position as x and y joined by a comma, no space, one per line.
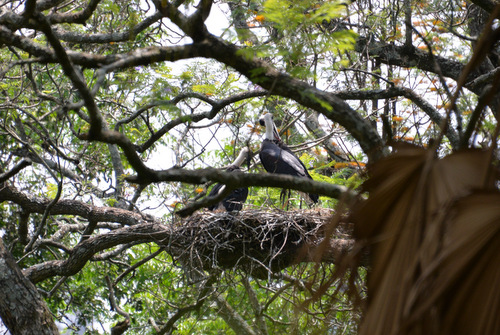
234,201
277,157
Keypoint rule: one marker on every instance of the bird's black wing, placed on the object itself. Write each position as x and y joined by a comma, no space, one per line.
314,197
278,158
234,201
215,190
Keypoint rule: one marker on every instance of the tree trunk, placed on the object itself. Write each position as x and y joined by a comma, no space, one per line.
22,309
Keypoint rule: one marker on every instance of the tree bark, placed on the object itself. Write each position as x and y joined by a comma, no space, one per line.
22,309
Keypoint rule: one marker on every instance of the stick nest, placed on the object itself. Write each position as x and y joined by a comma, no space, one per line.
250,239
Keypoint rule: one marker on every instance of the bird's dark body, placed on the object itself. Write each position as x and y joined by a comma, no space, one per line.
234,201
276,157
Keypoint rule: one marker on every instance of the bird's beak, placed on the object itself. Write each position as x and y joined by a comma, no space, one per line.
276,135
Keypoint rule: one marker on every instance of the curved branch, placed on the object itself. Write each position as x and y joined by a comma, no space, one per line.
73,37
304,231
279,83
15,170
77,17
216,107
70,207
256,70
76,78
247,240
86,249
233,179
193,25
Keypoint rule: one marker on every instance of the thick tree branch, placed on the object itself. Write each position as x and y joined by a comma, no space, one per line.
69,207
85,250
232,179
282,84
22,309
276,240
239,179
193,25
232,318
269,78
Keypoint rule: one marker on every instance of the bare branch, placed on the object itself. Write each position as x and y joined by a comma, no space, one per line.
396,91
128,35
232,318
76,78
216,107
15,170
238,179
69,207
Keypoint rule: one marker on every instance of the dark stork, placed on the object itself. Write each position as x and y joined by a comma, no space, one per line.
277,157
234,201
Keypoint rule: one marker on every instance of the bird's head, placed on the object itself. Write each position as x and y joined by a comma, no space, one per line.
262,121
271,131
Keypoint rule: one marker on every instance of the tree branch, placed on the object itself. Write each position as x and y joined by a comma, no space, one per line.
412,57
248,240
70,207
69,36
282,84
22,309
232,318
15,170
238,179
76,17
217,106
97,122
396,91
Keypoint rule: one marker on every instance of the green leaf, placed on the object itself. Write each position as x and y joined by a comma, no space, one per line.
51,190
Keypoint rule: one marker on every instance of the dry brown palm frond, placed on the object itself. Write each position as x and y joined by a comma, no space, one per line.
405,223
463,281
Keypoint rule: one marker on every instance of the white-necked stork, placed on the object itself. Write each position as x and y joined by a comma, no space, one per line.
277,157
234,201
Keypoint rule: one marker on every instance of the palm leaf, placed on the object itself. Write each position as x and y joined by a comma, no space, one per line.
405,223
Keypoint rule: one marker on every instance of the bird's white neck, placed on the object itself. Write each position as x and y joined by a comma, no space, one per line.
271,132
241,157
